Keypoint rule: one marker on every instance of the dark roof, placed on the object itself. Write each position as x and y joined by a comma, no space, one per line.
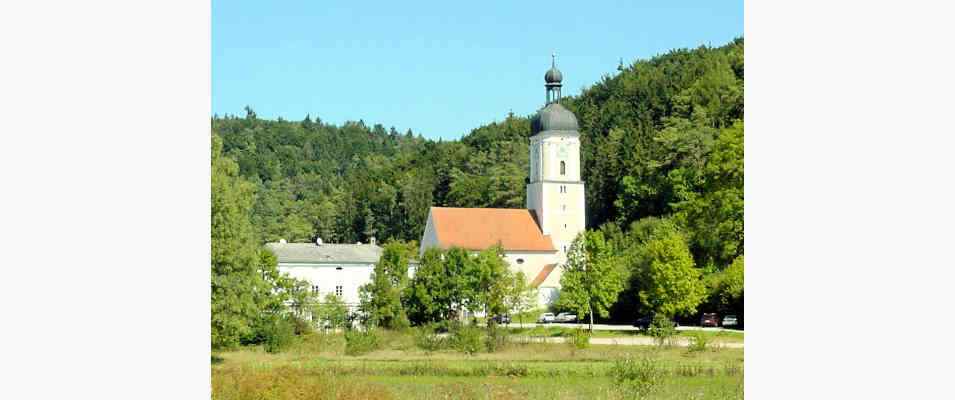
553,75
554,117
480,228
326,253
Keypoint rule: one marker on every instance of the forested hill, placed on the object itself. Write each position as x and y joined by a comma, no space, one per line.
661,138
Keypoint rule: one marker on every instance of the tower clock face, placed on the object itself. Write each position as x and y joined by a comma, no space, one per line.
562,152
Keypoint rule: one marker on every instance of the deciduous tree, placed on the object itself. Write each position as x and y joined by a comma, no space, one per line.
239,286
331,312
663,275
591,281
381,298
521,296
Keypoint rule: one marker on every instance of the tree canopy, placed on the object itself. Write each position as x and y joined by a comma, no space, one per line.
381,298
591,279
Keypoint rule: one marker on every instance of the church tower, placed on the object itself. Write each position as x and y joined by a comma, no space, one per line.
554,191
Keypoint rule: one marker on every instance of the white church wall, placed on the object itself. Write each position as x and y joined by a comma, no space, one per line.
533,261
327,276
429,238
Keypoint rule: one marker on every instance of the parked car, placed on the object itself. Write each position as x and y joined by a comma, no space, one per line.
546,318
710,319
501,319
645,322
730,320
565,317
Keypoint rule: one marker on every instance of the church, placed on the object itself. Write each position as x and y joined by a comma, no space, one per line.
536,239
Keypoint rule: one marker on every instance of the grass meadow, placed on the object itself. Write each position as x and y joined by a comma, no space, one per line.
316,366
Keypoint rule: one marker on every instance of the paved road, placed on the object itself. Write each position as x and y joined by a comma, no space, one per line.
606,327
625,341
629,341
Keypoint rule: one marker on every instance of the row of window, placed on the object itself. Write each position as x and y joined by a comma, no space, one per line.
338,290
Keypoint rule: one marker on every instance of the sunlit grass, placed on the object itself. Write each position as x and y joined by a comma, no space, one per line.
399,370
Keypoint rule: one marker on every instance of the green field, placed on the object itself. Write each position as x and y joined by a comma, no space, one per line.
316,367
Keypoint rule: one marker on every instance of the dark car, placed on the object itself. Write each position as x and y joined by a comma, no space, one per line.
501,319
710,319
643,322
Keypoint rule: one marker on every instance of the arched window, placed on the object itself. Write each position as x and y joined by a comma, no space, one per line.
563,168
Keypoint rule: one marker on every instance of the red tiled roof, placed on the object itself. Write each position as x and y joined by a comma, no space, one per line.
541,276
480,228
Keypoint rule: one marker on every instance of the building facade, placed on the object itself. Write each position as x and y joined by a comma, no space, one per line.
338,269
536,239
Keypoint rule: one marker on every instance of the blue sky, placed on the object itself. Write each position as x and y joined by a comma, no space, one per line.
440,68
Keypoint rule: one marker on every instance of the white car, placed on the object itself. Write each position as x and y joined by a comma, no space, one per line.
546,318
566,317
729,320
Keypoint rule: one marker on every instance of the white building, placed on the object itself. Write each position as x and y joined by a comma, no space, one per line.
329,268
536,239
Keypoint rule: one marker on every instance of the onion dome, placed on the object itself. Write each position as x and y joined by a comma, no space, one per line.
553,117
553,75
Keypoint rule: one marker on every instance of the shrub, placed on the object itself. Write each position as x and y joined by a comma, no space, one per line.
640,378
511,370
427,338
360,342
662,330
332,312
698,342
278,333
577,339
496,339
467,339
301,326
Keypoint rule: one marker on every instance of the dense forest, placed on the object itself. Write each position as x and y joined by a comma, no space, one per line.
661,138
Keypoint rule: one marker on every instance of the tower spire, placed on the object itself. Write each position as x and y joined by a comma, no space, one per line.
552,80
